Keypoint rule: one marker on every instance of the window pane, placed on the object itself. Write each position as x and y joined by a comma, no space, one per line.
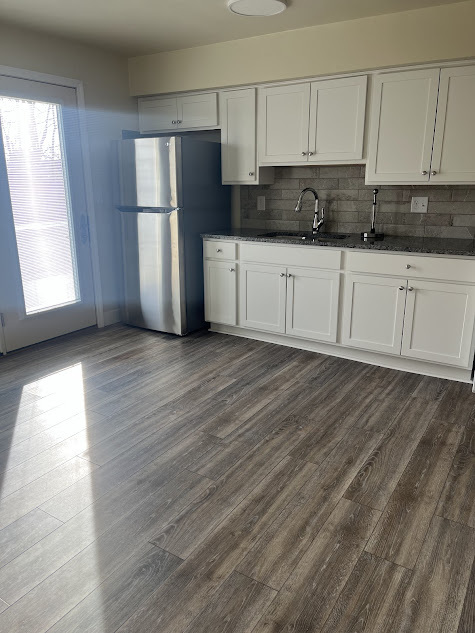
37,180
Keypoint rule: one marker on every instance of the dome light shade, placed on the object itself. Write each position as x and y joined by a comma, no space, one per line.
257,7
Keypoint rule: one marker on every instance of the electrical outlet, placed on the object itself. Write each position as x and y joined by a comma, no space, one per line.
419,205
261,203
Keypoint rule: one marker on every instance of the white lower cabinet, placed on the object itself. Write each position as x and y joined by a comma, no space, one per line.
312,303
220,292
262,292
428,318
373,313
425,320
438,325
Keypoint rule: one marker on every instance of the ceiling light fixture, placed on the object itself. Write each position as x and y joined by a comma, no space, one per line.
259,8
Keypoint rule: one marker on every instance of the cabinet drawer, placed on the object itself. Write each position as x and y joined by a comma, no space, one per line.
408,265
214,249
303,256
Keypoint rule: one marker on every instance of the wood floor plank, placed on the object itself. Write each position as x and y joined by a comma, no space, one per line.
379,475
310,593
281,547
24,533
109,605
190,528
434,600
218,460
186,593
400,533
165,442
457,405
36,564
238,455
332,422
235,608
39,609
467,618
33,494
457,501
383,411
370,598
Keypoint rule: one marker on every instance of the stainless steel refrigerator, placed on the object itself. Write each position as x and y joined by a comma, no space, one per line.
171,192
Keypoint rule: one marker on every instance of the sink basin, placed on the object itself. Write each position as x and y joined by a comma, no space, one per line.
299,236
332,236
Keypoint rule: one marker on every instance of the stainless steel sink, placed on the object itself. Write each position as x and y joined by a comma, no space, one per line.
299,236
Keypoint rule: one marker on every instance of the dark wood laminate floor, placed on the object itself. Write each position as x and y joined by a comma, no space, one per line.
210,484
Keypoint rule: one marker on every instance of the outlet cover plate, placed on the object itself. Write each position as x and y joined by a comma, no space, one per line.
419,205
261,203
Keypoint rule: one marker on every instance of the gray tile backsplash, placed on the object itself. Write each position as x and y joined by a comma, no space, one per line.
347,201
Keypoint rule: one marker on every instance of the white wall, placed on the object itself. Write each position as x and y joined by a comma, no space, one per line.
424,35
109,110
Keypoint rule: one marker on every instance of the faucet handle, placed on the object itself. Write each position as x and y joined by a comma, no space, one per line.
323,213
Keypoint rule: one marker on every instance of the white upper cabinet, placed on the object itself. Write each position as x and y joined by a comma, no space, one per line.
200,110
238,136
238,139
171,113
453,158
283,124
337,117
312,123
402,127
157,114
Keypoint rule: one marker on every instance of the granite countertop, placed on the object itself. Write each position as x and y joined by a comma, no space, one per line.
440,246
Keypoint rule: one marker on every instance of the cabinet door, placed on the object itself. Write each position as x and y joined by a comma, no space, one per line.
200,110
337,116
238,136
283,124
402,126
262,292
157,114
220,292
438,325
312,303
374,312
453,159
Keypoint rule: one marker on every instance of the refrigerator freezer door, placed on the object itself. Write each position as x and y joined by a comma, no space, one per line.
150,170
154,285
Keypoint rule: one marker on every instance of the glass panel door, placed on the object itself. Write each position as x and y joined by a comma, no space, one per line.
49,291
39,194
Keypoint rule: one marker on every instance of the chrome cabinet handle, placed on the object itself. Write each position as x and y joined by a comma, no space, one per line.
310,153
401,287
289,275
408,266
304,153
410,288
179,121
424,172
174,122
251,173
231,270
219,250
433,173
282,275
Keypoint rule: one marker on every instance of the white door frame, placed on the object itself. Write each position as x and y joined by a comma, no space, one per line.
19,73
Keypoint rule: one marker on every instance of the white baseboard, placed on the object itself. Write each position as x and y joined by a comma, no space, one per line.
111,317
372,358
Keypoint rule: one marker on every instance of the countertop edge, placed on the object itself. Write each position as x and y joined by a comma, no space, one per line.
419,245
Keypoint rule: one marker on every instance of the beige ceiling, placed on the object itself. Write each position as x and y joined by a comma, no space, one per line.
134,27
